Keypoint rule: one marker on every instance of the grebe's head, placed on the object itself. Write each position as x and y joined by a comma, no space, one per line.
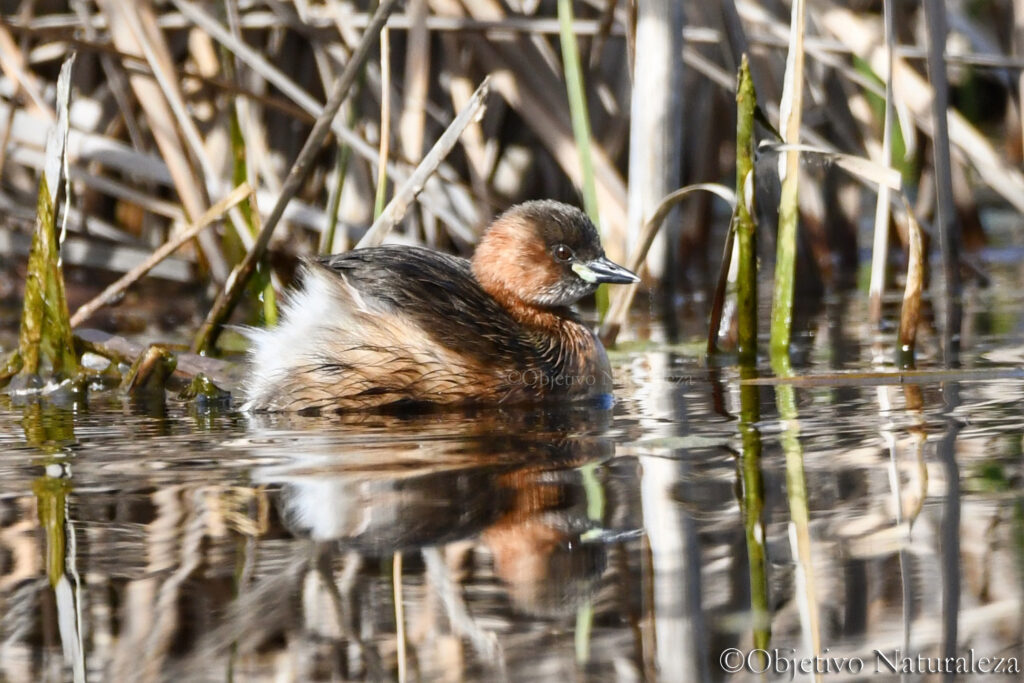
544,253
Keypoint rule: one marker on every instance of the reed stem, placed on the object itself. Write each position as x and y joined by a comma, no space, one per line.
785,260
746,230
580,123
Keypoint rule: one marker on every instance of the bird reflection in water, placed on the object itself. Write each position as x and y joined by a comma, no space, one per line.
460,497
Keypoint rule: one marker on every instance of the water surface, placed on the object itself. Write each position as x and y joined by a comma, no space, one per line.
644,542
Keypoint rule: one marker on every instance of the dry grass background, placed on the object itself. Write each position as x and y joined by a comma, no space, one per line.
176,103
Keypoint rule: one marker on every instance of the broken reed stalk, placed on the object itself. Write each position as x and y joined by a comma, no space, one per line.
399,204
45,343
746,230
208,332
580,118
911,312
880,246
112,292
946,220
721,287
785,261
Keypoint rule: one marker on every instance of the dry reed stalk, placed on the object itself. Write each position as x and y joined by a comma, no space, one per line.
917,95
525,78
623,296
656,118
385,122
161,120
266,70
399,204
112,292
480,156
911,312
945,218
14,65
229,296
880,245
412,123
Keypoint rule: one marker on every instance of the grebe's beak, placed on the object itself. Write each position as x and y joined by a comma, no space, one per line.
603,270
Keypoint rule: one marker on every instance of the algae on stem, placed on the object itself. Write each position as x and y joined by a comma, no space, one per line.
45,345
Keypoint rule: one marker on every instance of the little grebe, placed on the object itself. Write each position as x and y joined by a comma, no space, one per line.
396,325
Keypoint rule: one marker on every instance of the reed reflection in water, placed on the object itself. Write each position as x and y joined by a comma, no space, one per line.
633,544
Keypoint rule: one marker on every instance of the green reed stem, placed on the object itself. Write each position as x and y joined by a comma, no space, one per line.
785,259
799,510
746,232
260,284
334,200
577,105
753,510
580,122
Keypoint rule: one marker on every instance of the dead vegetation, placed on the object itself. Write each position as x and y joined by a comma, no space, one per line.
176,104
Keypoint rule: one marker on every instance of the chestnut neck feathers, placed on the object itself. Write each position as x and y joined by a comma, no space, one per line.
515,261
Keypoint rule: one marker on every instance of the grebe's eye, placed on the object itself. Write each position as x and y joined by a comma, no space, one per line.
563,253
